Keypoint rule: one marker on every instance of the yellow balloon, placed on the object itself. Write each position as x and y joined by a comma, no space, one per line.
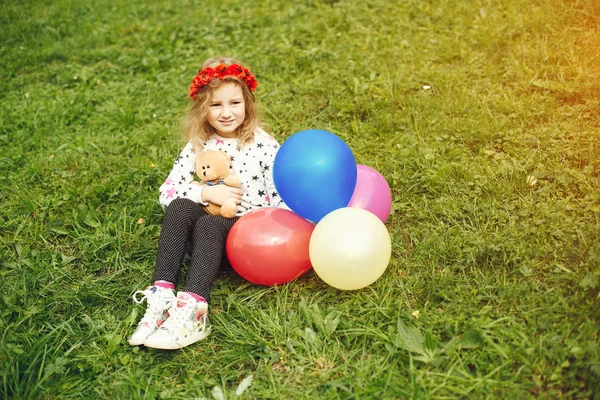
350,248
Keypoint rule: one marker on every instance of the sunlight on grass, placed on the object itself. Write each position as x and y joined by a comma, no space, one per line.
482,115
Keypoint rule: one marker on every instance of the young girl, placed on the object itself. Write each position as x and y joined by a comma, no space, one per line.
222,116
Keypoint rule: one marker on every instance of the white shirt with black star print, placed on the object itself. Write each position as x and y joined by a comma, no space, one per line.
253,164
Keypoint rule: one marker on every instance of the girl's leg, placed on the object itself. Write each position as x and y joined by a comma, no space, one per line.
209,238
178,224
188,315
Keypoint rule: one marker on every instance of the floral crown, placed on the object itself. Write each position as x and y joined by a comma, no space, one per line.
219,72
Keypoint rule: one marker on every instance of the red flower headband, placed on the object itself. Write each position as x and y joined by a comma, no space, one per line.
220,72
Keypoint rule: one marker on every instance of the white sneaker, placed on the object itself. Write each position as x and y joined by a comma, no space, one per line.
159,300
187,324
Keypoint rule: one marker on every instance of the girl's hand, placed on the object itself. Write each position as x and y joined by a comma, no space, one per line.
219,194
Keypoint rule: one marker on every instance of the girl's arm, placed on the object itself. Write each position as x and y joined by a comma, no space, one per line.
180,182
272,199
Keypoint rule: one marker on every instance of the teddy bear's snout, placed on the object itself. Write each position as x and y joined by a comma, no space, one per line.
209,173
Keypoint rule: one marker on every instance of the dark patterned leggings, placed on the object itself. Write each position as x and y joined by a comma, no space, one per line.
187,222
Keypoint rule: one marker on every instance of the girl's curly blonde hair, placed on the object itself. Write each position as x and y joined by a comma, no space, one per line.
195,125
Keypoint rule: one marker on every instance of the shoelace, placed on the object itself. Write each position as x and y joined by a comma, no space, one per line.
155,305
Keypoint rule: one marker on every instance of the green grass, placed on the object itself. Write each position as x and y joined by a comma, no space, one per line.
493,287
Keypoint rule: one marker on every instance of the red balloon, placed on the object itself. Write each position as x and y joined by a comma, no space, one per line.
269,246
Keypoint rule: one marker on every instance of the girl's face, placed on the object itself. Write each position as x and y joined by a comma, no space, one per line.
226,110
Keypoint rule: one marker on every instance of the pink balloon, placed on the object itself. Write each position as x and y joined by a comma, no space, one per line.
372,193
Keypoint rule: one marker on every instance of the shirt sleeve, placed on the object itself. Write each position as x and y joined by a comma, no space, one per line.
272,199
180,182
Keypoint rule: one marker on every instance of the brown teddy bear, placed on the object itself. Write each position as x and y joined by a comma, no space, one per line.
213,168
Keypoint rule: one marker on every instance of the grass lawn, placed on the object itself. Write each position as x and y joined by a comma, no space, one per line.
483,116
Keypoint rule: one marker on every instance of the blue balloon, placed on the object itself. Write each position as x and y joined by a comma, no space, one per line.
314,173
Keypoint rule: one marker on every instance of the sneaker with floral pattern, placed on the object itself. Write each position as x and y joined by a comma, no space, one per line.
159,301
187,324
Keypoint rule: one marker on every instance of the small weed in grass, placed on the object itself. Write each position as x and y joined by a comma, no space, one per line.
482,115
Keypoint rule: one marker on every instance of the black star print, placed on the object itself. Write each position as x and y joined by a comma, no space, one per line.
182,177
255,178
192,173
266,167
232,159
185,193
259,145
261,192
274,194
